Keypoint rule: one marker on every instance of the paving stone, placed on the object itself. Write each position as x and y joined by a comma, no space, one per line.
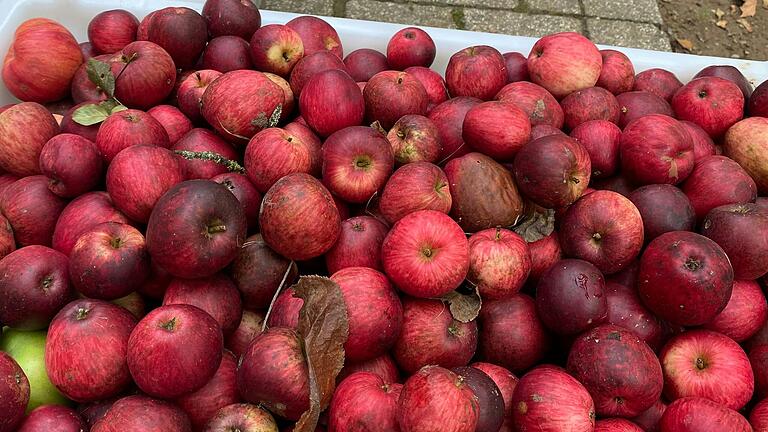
519,24
403,13
631,10
571,7
307,7
628,34
492,4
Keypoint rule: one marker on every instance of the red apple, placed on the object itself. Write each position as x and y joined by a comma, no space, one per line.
497,129
276,48
449,119
664,208
141,412
389,95
217,295
41,61
549,399
517,67
717,181
32,210
564,63
14,389
289,101
499,262
82,88
542,108
544,252
71,164
437,399
660,82
364,401
312,142
656,149
758,418
203,140
24,130
410,47
433,83
331,88
110,31
52,418
413,187
617,74
250,327
257,272
477,71
285,310
591,103
650,418
246,194
701,415
146,74
241,416
7,242
221,391
414,138
600,138
730,73
359,244
139,175
745,313
758,103
741,230
490,401
70,126
506,383
231,17
317,35
713,103
364,63
616,425
191,90
383,366
82,214
703,145
128,128
758,358
626,311
227,53
311,65
175,123
181,32
745,143
636,104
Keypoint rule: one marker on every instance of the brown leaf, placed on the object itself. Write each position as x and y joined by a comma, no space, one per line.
719,13
464,303
536,225
765,4
744,23
685,43
722,24
749,8
324,325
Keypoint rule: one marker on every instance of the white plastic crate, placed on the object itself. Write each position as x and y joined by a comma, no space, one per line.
75,15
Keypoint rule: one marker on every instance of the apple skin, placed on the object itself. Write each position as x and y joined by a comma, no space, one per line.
660,82
758,102
591,103
636,104
600,138
433,83
513,336
141,412
497,129
87,50
564,63
703,145
128,128
618,369
257,272
713,103
276,48
243,417
86,347
108,261
490,401
696,414
663,208
389,95
685,278
32,210
431,336
650,418
7,242
410,47
413,187
245,192
70,126
82,88
449,119
437,399
364,63
626,311
364,401
147,74
227,53
298,217
71,164
477,71
742,231
221,391
758,418
707,364
274,373
311,65
549,399
716,181
617,74
41,61
604,228
175,123
317,35
80,215
414,138
544,252
517,67
616,425
139,175
506,383
358,245
746,143
285,311
24,129
250,327
203,140
542,108
181,32
14,390
190,93
331,88
656,149
499,262
289,101
110,31
729,73
174,350
383,366
553,171
231,17
745,313
52,418
216,295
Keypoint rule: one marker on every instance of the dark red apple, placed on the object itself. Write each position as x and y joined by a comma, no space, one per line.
389,95
553,171
600,138
592,103
82,214
656,149
636,104
742,231
703,145
542,108
175,123
52,418
221,391
413,187
414,138
245,192
745,313
276,48
549,399
711,102
758,103
217,295
242,417
490,401
317,35
660,82
717,181
181,32
331,88
433,83
477,71
364,63
191,90
517,67
758,358
497,129
257,271
146,74
564,63
14,393
311,65
449,119
110,31
129,128
156,284
626,311
499,262
650,418
570,297
24,130
32,210
70,126
544,252
83,89
506,383
383,366
664,208
140,412
437,399
231,17
758,418
203,140
285,310
250,327
359,244
617,74
364,401
410,47
71,164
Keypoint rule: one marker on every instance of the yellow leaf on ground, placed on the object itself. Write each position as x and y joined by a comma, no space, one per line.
722,24
765,4
744,23
749,8
685,43
719,13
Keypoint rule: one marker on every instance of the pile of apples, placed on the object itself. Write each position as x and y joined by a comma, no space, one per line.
543,243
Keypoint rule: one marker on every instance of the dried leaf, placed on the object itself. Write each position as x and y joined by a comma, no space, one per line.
749,8
744,23
100,75
722,24
685,43
765,4
720,14
324,325
733,9
537,225
464,303
90,114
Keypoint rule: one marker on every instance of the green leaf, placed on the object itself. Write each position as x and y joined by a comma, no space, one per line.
118,108
100,74
90,114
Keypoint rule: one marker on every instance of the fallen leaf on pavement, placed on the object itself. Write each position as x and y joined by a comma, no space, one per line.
744,23
749,8
685,43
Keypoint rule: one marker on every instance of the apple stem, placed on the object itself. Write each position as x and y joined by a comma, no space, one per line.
81,314
277,293
213,157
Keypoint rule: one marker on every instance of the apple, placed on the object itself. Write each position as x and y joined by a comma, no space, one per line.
317,35
14,390
137,411
221,391
298,217
289,101
311,140
7,242
82,214
133,303
549,399
217,295
636,104
717,181
600,138
553,171
413,187
139,175
542,108
656,149
231,17
499,263
146,74
203,140
449,119
699,414
191,90
564,63
410,47
274,373
359,244
27,348
414,138
311,65
711,102
70,126
625,310
497,129
757,418
621,389
175,123
110,31
52,418
389,95
32,210
745,313
745,143
285,310
276,48
82,88
570,297
505,381
660,82
591,103
364,400
227,53
437,399
383,366
128,128
729,73
517,67
703,145
663,208
544,252
250,327
604,228
331,88
650,418
245,192
617,74
243,417
364,63
433,83
616,425
257,272
41,60
24,130
758,103
758,358
740,229
71,164
174,350
181,32
490,401
477,71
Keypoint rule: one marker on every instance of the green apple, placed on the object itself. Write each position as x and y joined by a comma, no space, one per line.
28,349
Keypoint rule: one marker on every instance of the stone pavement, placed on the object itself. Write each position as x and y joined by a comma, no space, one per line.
627,23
